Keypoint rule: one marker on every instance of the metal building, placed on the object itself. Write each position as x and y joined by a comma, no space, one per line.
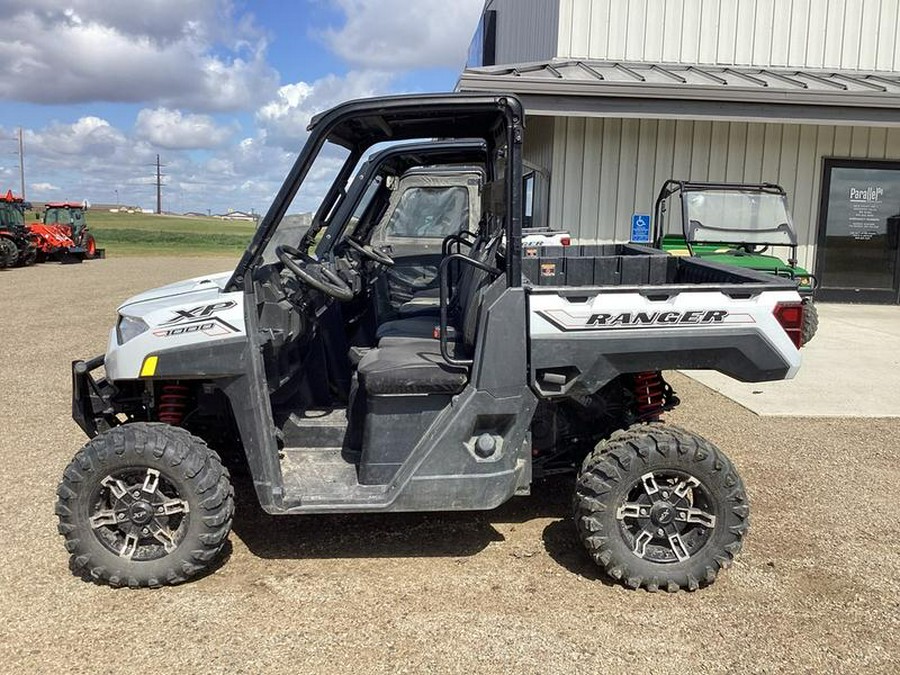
623,94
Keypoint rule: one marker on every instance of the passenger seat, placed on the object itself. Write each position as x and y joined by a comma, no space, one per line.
471,279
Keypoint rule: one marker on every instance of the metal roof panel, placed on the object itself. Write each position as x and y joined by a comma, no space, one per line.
588,77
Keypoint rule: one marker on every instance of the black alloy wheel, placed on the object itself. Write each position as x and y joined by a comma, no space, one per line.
659,507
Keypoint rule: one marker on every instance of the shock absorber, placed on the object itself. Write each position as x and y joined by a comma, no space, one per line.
172,404
649,395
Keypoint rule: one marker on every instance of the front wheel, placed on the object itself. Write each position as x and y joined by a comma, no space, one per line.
28,256
144,504
660,507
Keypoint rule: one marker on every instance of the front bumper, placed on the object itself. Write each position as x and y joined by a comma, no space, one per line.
92,407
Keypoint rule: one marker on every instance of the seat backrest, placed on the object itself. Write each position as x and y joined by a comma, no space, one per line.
466,271
470,303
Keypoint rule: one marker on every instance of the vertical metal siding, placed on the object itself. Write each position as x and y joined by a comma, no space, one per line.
605,169
538,147
846,34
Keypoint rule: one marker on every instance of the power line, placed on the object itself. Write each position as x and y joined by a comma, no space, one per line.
159,177
22,162
158,188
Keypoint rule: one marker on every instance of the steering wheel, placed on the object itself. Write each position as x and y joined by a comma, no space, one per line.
313,273
370,252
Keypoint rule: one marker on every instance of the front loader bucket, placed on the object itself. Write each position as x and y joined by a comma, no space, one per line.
67,257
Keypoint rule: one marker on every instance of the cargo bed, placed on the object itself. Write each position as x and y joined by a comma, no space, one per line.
632,265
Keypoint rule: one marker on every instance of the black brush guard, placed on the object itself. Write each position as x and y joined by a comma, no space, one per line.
92,407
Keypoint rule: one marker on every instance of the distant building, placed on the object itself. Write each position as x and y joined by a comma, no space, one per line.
621,95
239,215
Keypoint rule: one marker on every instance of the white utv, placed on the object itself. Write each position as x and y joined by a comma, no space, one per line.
344,392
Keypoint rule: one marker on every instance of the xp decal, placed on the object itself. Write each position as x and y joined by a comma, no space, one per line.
200,319
198,313
213,327
624,320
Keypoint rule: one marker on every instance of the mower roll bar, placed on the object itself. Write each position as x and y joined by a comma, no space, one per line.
671,186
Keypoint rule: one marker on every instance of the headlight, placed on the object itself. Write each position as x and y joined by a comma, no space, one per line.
129,327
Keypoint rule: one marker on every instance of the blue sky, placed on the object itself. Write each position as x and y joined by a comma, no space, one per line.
220,89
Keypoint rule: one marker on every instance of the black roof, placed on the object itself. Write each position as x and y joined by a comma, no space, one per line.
364,122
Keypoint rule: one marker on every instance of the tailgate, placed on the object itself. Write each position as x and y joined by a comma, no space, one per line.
581,338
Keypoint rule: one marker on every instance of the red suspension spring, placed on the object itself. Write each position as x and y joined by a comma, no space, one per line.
649,395
172,403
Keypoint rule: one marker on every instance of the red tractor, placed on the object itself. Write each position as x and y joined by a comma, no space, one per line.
17,243
64,235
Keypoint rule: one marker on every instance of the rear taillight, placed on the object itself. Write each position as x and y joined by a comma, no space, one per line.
790,316
565,241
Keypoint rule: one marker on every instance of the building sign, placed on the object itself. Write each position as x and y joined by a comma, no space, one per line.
858,255
865,217
640,228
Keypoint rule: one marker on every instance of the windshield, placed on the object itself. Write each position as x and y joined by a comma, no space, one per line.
301,213
57,216
737,216
11,217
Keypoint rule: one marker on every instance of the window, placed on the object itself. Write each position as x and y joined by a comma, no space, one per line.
483,48
858,259
528,199
429,213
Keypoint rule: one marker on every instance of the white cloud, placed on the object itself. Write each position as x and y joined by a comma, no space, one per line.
190,53
399,34
90,158
175,130
186,62
285,118
43,187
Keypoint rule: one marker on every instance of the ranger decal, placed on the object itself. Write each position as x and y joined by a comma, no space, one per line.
623,320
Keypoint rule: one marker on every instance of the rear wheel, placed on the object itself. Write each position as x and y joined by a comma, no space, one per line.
144,504
810,321
660,507
9,252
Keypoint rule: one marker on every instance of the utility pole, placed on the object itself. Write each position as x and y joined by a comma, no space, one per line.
158,188
22,162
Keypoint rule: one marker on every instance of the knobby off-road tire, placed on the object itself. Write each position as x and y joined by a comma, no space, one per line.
28,257
659,507
90,247
144,504
810,321
9,252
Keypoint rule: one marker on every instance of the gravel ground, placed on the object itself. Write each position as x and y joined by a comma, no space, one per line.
814,589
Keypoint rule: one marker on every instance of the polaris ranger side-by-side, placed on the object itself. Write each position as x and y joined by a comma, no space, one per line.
524,367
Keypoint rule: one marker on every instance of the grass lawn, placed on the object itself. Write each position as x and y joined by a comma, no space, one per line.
149,234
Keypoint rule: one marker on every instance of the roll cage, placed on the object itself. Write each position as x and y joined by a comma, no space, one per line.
496,119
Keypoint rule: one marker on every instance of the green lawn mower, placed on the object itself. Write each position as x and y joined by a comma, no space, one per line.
739,224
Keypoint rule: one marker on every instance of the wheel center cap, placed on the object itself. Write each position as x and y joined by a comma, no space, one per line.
140,513
662,514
